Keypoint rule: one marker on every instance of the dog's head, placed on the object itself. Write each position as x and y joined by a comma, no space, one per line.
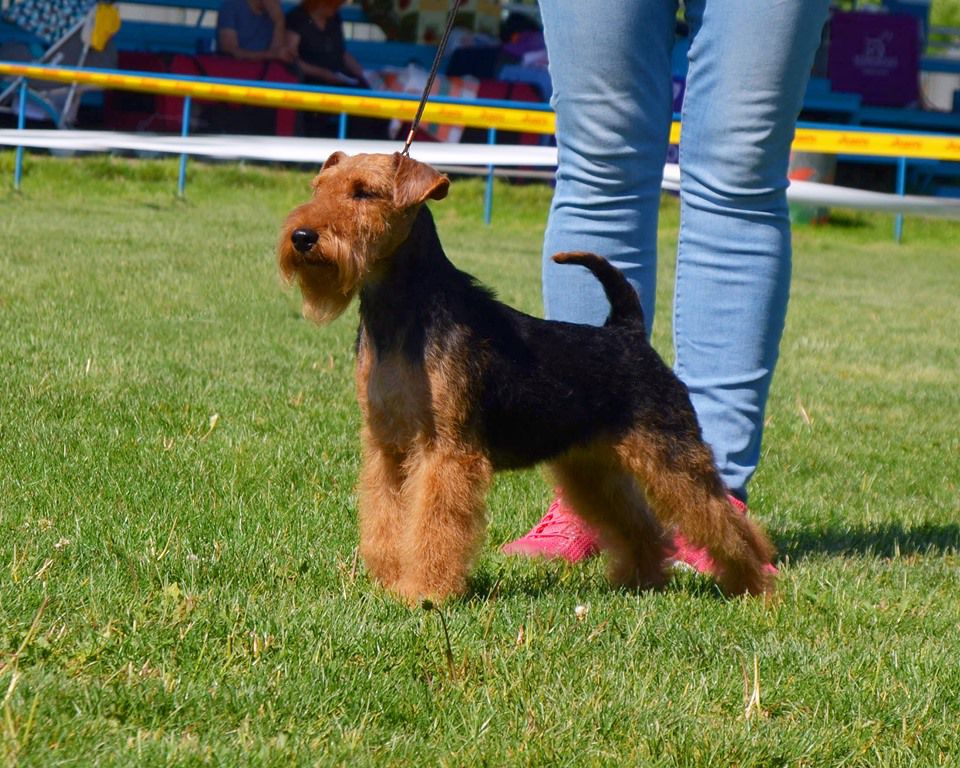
362,209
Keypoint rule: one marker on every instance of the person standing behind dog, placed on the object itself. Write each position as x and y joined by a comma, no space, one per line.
749,63
252,30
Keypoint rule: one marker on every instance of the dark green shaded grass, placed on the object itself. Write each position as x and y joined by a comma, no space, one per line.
178,452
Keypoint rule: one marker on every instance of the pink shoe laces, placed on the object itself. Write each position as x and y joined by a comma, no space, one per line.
560,534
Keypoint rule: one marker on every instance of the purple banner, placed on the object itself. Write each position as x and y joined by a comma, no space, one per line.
876,55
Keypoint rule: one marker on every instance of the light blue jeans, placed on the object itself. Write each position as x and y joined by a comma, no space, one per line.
749,62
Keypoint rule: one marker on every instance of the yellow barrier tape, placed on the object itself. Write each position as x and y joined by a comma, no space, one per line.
825,141
501,118
877,144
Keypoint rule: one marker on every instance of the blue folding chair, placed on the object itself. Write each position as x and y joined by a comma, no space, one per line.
58,32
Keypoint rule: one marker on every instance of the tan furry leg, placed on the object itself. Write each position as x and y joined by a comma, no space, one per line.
382,513
685,491
607,496
446,489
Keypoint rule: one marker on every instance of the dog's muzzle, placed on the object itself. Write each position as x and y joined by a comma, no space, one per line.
304,239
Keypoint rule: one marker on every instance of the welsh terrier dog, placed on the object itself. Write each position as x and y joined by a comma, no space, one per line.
454,385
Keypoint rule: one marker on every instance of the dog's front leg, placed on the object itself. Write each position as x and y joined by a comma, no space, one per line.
446,488
381,508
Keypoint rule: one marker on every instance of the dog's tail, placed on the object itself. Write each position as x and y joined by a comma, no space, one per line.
625,309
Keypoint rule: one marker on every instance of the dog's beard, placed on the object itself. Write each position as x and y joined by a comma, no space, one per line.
328,276
325,295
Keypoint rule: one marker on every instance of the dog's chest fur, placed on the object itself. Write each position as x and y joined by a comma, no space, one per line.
395,394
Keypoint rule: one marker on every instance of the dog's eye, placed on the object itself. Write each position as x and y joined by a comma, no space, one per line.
361,192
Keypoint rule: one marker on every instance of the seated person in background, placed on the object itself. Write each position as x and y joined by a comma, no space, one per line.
252,30
248,31
315,40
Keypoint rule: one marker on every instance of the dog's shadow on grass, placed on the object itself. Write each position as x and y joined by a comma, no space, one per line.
487,585
889,540
546,580
886,540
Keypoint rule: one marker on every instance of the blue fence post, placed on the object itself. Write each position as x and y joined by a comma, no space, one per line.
21,124
184,132
901,190
488,193
342,126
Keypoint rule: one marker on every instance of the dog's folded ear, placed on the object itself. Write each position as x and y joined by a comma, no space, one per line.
331,161
417,182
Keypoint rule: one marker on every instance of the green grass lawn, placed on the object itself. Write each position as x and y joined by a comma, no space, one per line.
178,453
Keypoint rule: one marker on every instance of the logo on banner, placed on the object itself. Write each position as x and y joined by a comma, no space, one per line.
874,60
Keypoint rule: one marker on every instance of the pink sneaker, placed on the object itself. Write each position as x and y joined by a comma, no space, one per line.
685,554
559,534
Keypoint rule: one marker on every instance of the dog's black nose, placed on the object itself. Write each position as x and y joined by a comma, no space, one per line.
304,239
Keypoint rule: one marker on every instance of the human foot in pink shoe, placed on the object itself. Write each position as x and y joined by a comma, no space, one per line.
560,534
685,554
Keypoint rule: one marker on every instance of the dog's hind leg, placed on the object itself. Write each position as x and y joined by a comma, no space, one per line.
446,489
608,497
685,491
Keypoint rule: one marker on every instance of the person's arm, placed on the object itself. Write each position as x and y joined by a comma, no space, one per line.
324,75
279,48
352,67
291,40
229,45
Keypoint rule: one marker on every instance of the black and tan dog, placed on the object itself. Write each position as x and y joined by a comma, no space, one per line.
454,385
